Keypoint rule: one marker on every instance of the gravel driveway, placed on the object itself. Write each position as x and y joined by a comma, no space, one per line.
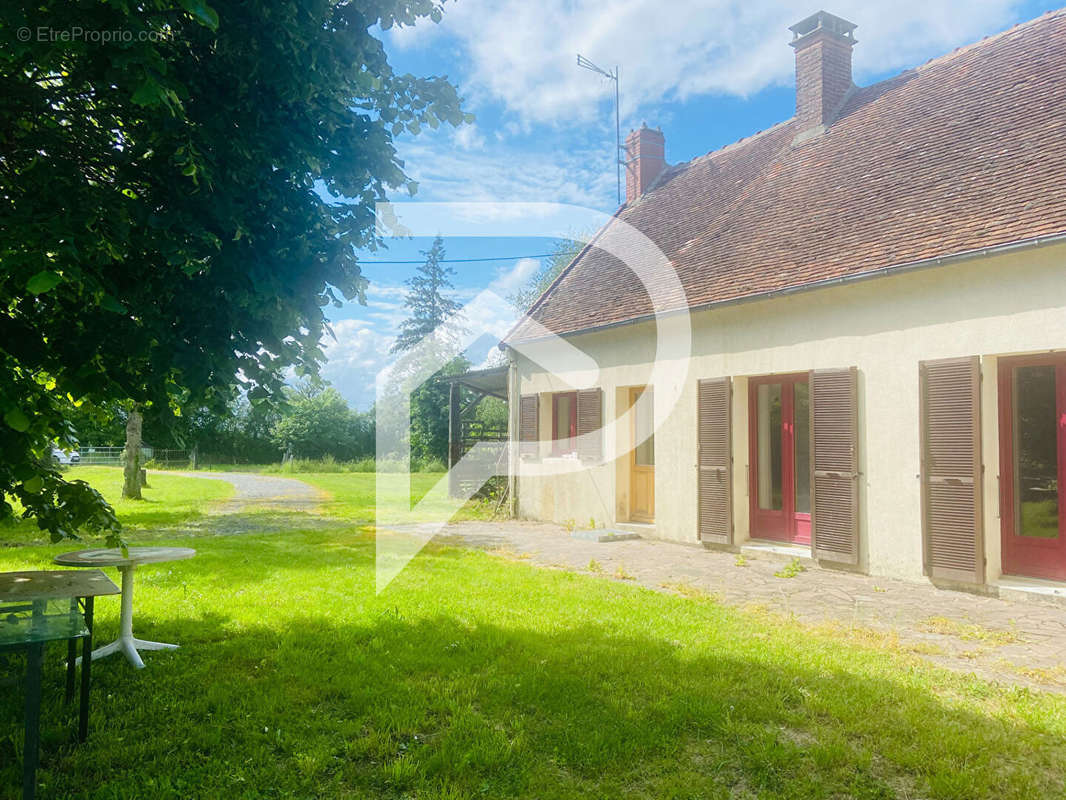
257,492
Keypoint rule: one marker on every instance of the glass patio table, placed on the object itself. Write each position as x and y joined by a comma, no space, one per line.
41,607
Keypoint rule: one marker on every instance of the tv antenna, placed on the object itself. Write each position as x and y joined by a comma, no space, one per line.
584,63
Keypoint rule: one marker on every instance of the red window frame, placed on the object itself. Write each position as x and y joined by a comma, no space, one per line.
559,446
1031,557
784,524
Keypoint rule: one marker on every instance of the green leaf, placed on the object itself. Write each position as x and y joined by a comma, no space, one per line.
148,93
42,282
17,420
201,12
34,485
109,303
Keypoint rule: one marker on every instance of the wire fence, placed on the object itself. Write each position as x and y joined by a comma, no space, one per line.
115,456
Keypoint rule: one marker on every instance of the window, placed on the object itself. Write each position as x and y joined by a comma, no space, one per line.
564,423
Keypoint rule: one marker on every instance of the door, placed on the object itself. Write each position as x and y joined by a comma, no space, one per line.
779,481
642,457
1032,425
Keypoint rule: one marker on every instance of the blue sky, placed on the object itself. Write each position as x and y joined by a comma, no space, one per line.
709,72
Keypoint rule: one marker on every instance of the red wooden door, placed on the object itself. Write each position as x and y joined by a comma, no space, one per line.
779,431
1032,443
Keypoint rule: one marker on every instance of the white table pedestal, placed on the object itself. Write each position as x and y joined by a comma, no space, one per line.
126,561
126,641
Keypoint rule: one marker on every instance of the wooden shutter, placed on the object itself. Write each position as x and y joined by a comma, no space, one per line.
589,423
529,424
952,530
715,462
834,465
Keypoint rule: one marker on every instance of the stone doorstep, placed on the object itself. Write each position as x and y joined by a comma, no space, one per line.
1031,590
642,529
780,550
604,535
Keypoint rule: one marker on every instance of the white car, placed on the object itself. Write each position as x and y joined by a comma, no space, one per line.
62,457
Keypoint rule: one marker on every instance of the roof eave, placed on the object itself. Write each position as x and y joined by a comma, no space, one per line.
880,272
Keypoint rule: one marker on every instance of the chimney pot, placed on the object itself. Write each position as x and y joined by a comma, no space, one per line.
645,160
823,45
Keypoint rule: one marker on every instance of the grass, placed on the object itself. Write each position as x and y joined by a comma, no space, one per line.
174,501
790,570
352,495
969,632
171,501
473,676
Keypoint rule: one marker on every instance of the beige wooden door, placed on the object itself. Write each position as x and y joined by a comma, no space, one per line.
642,457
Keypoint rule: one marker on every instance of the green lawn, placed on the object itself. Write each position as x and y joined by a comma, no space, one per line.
171,501
350,495
476,677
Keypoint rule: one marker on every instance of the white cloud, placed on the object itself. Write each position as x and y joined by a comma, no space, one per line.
362,347
522,54
468,137
568,169
360,351
510,280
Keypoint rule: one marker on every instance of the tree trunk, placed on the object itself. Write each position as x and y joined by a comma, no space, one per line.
131,485
194,458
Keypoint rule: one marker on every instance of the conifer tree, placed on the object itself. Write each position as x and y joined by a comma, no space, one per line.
431,309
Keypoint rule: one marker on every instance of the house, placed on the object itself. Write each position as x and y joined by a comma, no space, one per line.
876,290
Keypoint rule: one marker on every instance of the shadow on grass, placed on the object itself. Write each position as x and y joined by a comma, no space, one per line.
444,707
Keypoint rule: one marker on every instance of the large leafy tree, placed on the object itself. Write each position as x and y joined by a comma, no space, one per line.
317,422
165,204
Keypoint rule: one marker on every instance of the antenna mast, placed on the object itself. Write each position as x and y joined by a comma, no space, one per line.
584,63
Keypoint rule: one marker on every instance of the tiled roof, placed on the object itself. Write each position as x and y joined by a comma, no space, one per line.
967,151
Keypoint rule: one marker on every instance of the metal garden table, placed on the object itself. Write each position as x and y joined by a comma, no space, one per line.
127,563
41,607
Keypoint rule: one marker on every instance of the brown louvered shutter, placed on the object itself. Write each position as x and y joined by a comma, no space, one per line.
529,424
834,465
715,461
952,529
589,422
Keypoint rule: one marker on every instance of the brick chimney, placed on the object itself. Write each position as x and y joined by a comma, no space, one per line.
645,160
823,45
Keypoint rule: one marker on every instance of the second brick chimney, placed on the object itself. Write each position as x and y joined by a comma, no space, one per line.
645,160
823,45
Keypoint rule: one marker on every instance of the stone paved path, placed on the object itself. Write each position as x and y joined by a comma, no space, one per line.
1015,642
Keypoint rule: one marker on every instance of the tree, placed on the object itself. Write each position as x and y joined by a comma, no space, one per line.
430,308
431,311
317,422
166,196
131,474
